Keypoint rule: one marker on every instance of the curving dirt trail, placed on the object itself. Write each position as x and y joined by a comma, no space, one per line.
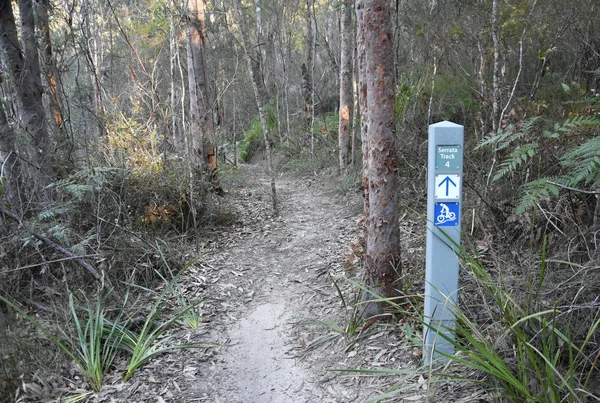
262,276
283,265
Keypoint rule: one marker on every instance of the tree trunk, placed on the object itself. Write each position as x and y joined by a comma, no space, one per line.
362,100
63,160
307,78
495,68
9,163
24,71
382,261
254,67
346,90
173,51
200,106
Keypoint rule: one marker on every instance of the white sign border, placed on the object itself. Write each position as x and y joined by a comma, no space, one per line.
440,189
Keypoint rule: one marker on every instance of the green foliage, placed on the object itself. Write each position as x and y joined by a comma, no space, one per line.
454,97
578,164
533,357
522,154
350,327
583,162
253,139
92,340
85,342
151,340
328,124
406,92
505,137
535,191
525,351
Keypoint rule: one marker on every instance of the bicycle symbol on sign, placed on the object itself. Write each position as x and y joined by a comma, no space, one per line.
445,215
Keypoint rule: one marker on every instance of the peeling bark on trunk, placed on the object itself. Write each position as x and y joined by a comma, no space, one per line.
346,90
307,77
202,125
364,123
383,234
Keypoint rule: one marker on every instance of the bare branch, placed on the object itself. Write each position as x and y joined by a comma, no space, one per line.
589,192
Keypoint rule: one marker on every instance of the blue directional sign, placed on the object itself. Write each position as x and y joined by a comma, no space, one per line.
446,214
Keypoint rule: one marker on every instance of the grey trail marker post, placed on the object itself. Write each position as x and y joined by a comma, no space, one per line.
444,197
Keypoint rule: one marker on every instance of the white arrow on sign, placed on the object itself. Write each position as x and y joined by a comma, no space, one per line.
447,186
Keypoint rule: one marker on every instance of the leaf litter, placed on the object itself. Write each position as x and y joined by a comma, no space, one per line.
260,278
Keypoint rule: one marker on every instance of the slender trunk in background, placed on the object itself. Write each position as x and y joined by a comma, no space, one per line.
362,100
495,68
307,69
9,163
258,87
173,49
89,47
382,261
63,160
346,90
24,72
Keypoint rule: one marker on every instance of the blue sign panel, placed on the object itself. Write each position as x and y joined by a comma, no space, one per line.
446,214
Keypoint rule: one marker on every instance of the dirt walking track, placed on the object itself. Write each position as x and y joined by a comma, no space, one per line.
263,276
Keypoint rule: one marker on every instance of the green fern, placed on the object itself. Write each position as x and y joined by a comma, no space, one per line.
78,191
584,163
580,164
536,191
505,137
52,213
517,158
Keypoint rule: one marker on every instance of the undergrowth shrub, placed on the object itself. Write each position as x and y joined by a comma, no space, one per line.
253,140
325,158
533,344
108,217
555,168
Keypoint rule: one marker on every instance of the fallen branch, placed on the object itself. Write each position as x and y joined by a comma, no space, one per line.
11,215
59,248
589,192
68,253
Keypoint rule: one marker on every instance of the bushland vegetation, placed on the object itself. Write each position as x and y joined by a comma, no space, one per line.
111,175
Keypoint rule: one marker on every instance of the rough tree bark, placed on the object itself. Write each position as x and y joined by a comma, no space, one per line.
200,106
383,234
306,68
362,101
24,72
346,90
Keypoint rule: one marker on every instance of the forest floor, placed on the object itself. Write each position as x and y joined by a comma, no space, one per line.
270,280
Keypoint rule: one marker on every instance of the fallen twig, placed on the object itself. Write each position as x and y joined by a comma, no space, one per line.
59,248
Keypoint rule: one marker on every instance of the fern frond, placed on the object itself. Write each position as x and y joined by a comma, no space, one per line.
584,163
52,213
582,121
78,191
536,191
505,137
518,157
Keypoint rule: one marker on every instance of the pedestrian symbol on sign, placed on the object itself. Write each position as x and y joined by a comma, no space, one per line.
446,214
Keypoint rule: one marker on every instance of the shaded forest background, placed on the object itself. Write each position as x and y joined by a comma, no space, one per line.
120,122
